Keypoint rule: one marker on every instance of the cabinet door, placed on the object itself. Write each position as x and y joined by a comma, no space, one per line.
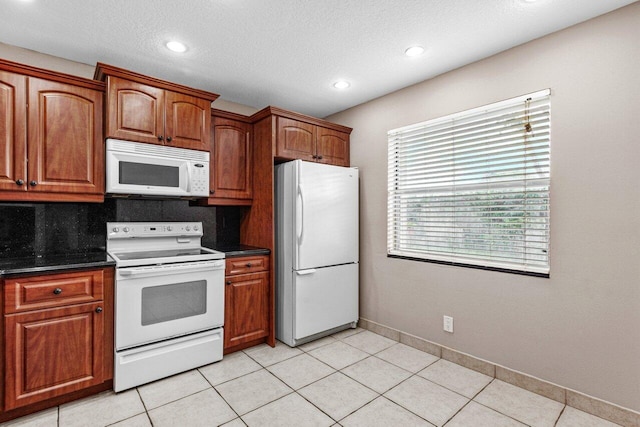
135,112
295,140
246,316
231,159
52,352
65,147
332,147
13,131
187,121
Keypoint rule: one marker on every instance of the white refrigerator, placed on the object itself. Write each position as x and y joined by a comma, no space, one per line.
316,250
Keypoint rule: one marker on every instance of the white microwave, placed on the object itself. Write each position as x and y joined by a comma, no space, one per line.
134,168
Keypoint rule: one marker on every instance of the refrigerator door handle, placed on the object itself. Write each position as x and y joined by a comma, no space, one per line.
305,272
300,216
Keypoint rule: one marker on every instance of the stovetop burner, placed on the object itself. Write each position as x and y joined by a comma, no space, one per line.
145,243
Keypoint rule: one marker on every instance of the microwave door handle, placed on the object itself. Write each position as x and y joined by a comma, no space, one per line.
189,177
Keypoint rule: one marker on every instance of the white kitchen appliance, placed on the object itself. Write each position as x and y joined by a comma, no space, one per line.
134,168
169,300
316,250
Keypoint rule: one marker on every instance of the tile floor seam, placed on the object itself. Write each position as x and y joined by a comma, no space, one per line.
559,416
457,412
225,401
395,364
506,415
320,409
416,375
406,409
264,404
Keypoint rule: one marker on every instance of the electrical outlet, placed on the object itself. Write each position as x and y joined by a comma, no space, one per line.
447,323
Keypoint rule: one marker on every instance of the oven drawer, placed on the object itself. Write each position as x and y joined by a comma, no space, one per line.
249,264
55,290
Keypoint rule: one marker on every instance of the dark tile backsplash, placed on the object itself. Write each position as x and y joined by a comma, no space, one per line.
28,229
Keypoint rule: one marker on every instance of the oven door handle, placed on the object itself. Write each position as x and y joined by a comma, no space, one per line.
190,267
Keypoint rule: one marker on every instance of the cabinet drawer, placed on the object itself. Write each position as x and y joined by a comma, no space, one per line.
36,292
248,264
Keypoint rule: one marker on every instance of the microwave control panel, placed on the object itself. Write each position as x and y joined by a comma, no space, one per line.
199,179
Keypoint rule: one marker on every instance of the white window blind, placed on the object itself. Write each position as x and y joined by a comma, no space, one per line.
472,188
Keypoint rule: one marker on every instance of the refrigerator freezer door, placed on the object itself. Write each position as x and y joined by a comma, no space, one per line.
326,215
324,298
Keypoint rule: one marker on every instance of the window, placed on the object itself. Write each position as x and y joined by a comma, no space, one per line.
472,188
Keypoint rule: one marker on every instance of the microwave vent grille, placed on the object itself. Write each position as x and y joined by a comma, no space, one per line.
157,150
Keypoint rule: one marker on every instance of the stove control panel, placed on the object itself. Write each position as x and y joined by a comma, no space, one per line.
125,230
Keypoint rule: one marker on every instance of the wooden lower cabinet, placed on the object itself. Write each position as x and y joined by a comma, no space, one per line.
53,352
57,351
246,316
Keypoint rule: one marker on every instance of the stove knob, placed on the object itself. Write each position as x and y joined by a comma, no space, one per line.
169,228
116,229
195,228
188,228
126,229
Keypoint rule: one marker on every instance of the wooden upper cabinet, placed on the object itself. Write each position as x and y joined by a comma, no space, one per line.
297,139
231,161
50,136
134,111
66,153
13,130
187,121
145,109
332,147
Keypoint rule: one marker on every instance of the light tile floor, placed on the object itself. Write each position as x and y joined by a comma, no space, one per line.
353,378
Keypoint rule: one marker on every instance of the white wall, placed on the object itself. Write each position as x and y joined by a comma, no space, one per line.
580,328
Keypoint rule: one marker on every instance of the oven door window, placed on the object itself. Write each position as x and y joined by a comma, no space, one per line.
135,173
171,302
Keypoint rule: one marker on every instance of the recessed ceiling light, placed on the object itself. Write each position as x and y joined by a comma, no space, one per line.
176,46
341,84
414,51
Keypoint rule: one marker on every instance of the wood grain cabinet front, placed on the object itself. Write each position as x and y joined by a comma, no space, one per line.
314,143
246,316
231,165
52,134
145,109
58,336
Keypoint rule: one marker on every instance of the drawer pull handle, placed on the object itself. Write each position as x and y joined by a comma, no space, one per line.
228,282
57,291
99,310
248,265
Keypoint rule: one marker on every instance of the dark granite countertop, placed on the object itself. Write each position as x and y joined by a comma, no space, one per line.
54,263
232,251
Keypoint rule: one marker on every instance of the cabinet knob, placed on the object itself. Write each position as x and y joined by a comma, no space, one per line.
33,183
248,265
99,310
19,181
57,291
169,139
320,157
314,156
160,138
212,191
228,282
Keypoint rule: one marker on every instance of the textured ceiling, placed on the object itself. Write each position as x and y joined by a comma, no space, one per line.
287,53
